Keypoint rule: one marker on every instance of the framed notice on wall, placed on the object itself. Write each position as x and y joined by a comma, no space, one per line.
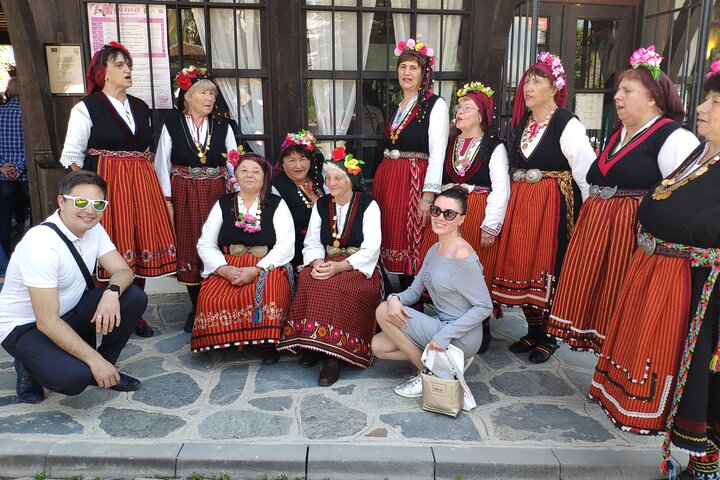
143,31
65,68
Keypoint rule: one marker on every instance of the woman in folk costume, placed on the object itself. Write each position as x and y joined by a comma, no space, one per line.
477,160
648,146
109,132
246,246
191,166
549,158
659,366
410,173
298,181
333,313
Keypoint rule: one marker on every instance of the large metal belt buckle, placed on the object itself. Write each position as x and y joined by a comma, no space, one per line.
608,192
212,172
195,172
258,251
594,190
647,243
340,251
393,154
532,175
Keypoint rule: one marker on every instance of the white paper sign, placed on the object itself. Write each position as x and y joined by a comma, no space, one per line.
133,22
589,108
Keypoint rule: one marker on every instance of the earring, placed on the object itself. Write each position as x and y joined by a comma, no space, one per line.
106,79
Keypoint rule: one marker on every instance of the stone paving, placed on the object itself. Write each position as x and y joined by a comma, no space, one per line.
229,395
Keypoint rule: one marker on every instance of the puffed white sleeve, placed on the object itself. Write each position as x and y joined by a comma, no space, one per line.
207,246
498,198
366,259
576,147
163,164
438,131
284,249
312,245
677,147
77,136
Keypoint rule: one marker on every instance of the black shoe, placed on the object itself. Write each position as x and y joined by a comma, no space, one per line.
330,372
487,337
189,323
269,356
309,358
542,352
126,384
525,344
28,390
142,329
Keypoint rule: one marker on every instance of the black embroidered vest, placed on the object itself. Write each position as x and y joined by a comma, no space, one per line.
230,234
353,234
547,155
185,155
479,171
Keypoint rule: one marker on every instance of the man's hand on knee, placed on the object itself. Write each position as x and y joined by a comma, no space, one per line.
107,314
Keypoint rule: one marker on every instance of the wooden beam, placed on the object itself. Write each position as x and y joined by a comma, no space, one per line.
37,108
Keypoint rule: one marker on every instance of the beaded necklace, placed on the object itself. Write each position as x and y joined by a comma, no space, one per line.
245,220
335,234
201,152
461,162
682,177
402,117
302,193
533,128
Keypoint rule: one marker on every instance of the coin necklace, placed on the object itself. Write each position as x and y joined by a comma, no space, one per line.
201,152
533,128
302,193
335,234
461,162
669,185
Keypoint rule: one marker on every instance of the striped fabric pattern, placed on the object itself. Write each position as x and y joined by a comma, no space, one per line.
593,271
397,188
471,232
225,312
524,274
137,219
636,372
192,201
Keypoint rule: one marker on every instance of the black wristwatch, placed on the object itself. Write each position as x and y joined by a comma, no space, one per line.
114,288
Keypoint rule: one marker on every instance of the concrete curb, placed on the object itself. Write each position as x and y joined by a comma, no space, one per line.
20,458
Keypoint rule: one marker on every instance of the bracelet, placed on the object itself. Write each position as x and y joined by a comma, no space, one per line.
426,200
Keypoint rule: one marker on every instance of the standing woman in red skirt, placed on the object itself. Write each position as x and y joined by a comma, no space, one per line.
410,173
549,158
477,160
191,166
333,313
659,368
246,247
648,146
109,132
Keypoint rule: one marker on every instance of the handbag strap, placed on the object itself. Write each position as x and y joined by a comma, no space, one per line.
75,254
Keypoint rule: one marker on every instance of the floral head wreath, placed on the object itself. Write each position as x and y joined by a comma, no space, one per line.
411,45
475,87
647,58
346,161
714,69
187,76
555,64
303,138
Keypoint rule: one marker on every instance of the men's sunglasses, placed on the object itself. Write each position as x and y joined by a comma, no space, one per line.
82,203
448,214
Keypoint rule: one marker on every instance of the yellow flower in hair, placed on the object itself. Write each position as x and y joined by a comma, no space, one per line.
418,46
352,164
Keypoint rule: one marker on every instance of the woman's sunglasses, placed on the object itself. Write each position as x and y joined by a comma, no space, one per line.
82,203
448,214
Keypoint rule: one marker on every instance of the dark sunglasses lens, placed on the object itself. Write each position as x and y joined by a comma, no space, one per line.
449,214
435,211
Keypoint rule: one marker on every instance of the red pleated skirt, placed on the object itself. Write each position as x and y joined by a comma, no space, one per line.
225,312
593,271
192,201
636,372
397,188
524,272
334,316
137,219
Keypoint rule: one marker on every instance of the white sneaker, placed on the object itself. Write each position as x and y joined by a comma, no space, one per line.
411,388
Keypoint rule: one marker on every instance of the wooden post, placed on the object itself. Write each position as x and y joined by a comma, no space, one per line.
36,106
492,23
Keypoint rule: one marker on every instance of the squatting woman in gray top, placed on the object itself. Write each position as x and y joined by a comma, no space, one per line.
453,276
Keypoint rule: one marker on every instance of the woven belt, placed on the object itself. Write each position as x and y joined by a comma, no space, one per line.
238,250
564,180
340,251
198,173
607,193
468,187
120,153
395,154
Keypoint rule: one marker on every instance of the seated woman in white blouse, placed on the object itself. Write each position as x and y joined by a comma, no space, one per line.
246,246
333,313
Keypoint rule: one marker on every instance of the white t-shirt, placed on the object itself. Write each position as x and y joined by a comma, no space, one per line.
42,260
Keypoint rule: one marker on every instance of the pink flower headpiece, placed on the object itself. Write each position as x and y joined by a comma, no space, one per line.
411,45
647,58
714,69
555,64
233,158
303,138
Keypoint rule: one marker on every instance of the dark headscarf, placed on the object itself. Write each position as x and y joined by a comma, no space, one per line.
96,71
